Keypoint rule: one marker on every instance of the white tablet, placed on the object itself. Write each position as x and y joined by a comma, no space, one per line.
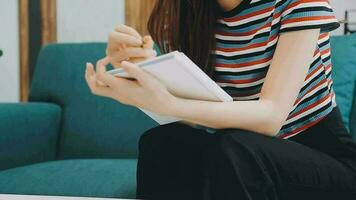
181,77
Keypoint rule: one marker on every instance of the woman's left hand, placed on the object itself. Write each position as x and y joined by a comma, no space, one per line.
145,92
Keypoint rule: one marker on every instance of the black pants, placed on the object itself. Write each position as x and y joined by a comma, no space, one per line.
177,161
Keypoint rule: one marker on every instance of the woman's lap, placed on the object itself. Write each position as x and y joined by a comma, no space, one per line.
191,163
285,169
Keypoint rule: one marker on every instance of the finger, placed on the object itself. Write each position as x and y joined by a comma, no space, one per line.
136,60
89,70
101,74
117,38
148,43
136,72
131,53
119,56
134,52
128,30
116,64
99,90
92,83
121,47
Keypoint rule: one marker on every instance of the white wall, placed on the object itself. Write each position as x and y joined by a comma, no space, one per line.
88,20
340,6
9,43
78,21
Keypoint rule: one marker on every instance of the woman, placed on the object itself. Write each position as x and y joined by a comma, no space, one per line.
282,137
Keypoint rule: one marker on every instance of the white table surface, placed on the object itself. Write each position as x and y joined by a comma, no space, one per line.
32,197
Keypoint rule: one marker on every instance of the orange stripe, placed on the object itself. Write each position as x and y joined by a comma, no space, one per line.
275,16
301,128
330,81
327,67
310,106
323,35
301,19
316,51
313,72
240,81
326,51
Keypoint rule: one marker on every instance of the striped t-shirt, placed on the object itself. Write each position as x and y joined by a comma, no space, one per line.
247,38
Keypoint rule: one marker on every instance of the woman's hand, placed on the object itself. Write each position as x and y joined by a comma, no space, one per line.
125,44
145,92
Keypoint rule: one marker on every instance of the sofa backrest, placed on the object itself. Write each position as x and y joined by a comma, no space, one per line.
344,74
353,116
92,127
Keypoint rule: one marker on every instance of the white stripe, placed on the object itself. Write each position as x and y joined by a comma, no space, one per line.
327,71
242,85
308,23
292,135
306,5
249,19
247,51
320,70
276,21
324,39
307,112
242,69
255,1
329,84
241,38
334,99
247,97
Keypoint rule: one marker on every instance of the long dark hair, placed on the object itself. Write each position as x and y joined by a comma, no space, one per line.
188,26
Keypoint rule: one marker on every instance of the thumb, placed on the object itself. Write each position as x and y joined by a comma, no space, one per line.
135,72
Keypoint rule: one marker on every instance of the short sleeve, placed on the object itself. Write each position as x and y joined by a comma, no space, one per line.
308,14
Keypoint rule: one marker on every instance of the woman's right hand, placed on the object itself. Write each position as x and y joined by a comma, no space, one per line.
126,44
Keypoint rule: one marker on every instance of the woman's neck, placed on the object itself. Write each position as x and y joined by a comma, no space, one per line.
228,5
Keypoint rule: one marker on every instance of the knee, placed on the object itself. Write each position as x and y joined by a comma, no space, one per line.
149,138
157,136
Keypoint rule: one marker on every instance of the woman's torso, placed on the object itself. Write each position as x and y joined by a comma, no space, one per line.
246,41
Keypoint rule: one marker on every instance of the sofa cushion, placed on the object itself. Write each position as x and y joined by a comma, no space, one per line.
92,126
344,72
91,178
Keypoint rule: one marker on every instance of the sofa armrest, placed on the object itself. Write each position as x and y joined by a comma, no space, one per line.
28,133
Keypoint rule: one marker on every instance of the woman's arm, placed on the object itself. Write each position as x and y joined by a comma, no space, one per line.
284,80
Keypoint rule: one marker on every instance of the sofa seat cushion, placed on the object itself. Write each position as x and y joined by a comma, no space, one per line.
114,178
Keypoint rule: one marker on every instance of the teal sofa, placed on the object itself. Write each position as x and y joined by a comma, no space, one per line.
66,141
69,142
